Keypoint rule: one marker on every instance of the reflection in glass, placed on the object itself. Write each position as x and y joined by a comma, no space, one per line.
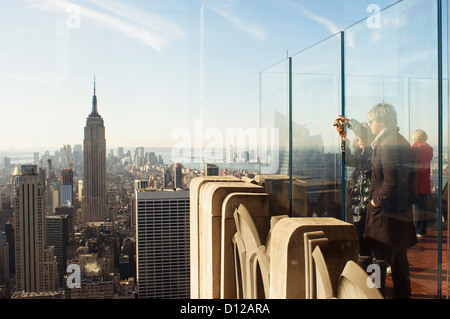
274,137
394,63
316,101
397,63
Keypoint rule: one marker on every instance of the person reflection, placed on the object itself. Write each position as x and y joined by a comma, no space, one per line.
422,155
389,224
358,183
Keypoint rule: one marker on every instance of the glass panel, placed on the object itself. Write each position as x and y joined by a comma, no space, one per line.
316,155
446,146
445,194
274,135
396,63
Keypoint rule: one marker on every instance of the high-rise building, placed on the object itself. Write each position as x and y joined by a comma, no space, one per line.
70,212
120,154
57,235
139,158
94,180
77,156
167,178
66,187
212,170
4,260
36,158
162,238
35,263
9,234
178,175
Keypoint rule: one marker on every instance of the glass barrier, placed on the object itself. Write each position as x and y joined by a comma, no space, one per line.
391,81
445,194
316,151
445,14
274,135
384,74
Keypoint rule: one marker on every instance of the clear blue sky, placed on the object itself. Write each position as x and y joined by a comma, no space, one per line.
159,65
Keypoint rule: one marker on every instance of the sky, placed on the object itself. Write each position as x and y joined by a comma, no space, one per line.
161,67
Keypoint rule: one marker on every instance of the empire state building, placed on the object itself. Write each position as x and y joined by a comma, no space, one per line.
94,180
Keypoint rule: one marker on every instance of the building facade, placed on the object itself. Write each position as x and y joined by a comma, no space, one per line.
4,267
35,262
212,170
162,236
57,235
66,188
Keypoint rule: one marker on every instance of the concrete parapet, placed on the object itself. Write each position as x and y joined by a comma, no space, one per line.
287,260
195,198
240,248
207,198
258,205
210,219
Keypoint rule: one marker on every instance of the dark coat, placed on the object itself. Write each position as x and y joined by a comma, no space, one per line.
358,184
390,221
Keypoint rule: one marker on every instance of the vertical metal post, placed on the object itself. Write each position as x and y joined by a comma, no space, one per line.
343,168
440,145
448,136
290,138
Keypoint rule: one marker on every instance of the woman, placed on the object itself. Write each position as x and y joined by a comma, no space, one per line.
422,154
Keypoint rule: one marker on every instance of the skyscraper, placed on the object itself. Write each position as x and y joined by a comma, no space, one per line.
212,170
120,154
35,263
162,238
178,175
94,180
57,235
66,187
4,264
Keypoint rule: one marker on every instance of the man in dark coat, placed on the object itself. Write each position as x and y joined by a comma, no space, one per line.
389,224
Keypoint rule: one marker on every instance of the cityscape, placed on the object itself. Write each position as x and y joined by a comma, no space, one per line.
85,208
113,225
137,132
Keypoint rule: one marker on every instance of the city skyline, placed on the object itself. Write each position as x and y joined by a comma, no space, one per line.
159,66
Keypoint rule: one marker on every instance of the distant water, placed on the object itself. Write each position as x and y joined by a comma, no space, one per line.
18,158
27,157
200,163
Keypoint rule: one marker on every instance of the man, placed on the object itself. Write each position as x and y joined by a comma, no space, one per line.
389,224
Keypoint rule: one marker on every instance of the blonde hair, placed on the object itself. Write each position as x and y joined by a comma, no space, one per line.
420,136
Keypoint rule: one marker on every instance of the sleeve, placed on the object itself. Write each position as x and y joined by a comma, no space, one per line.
386,191
361,131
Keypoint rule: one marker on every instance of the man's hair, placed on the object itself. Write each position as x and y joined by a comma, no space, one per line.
384,113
